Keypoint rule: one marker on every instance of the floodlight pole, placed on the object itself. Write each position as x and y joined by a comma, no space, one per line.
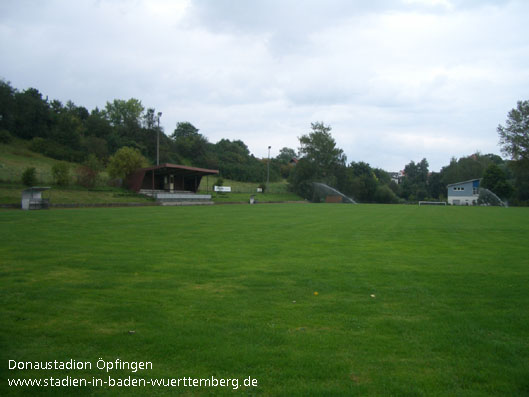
158,140
268,169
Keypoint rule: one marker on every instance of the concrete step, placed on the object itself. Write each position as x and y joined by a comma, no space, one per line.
175,203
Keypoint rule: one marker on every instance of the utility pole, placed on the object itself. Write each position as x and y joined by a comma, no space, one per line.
158,140
268,169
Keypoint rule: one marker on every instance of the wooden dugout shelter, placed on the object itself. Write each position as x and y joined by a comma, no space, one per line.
168,177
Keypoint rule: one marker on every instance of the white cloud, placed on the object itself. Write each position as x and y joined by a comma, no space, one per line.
431,3
397,81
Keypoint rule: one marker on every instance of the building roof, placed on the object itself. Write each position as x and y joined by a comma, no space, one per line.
135,180
459,183
36,189
185,168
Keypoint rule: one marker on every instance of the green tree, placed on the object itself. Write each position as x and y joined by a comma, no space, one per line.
385,195
514,136
435,187
496,181
362,182
414,183
382,176
123,113
150,119
97,124
285,155
67,129
520,170
319,147
96,146
78,111
301,178
466,168
192,145
322,161
7,106
128,122
32,114
5,136
235,161
61,173
283,161
184,129
88,172
29,176
124,162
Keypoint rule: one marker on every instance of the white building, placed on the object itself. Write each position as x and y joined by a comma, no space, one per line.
463,193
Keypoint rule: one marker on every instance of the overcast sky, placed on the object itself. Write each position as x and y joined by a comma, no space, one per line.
396,80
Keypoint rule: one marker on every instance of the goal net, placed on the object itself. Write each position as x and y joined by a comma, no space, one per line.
323,193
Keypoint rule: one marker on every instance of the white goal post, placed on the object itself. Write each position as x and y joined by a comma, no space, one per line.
432,202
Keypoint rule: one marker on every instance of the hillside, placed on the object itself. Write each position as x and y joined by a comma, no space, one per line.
16,157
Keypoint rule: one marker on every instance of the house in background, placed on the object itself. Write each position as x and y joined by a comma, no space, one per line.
397,176
463,193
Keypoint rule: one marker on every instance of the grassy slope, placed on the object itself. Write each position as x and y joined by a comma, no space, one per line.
16,157
211,291
11,194
243,187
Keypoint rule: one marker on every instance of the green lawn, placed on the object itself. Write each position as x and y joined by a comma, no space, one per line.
258,197
412,301
11,194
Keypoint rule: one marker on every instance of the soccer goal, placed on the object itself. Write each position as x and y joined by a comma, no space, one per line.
432,202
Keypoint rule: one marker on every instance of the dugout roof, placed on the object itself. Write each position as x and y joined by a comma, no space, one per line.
159,177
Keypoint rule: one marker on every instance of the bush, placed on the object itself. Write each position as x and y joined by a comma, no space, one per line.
61,173
285,170
125,161
29,176
5,136
385,195
86,176
262,186
88,172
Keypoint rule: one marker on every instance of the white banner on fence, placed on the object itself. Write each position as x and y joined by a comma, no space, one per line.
223,189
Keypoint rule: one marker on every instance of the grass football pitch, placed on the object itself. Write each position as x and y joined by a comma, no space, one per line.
286,299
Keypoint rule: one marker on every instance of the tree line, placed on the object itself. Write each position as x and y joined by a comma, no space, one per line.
73,133
322,161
